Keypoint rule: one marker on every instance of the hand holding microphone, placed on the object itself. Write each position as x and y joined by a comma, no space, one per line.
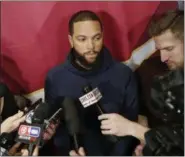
35,152
30,133
80,152
115,124
50,131
16,151
92,97
7,127
41,115
12,123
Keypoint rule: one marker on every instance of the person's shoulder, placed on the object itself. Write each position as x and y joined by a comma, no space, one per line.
123,67
55,71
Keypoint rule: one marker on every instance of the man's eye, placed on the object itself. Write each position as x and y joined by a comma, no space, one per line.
83,39
97,38
170,48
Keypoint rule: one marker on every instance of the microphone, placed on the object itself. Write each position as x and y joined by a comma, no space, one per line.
44,114
7,139
31,107
92,97
72,120
41,113
37,121
30,134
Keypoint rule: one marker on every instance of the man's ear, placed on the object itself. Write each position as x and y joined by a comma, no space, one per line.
70,40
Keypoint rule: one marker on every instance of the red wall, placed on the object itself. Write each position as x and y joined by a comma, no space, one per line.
34,35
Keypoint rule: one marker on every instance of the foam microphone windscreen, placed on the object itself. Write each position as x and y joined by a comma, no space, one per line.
71,116
40,113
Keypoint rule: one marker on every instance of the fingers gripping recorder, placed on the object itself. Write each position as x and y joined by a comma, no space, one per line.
92,97
31,133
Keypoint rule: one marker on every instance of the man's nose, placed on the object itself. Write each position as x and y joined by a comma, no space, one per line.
90,45
164,55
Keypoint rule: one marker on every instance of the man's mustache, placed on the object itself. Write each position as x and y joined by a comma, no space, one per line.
90,52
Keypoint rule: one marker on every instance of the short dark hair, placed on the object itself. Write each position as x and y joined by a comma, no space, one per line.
83,15
171,20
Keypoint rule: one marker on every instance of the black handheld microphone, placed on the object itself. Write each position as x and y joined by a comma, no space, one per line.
72,120
92,97
44,113
88,89
41,113
31,107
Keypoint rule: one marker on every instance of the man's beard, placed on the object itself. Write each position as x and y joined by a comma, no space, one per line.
82,60
175,66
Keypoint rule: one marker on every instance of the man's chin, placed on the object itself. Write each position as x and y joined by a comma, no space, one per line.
172,67
91,61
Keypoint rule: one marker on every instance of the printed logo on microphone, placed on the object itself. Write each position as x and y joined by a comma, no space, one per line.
31,131
90,98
